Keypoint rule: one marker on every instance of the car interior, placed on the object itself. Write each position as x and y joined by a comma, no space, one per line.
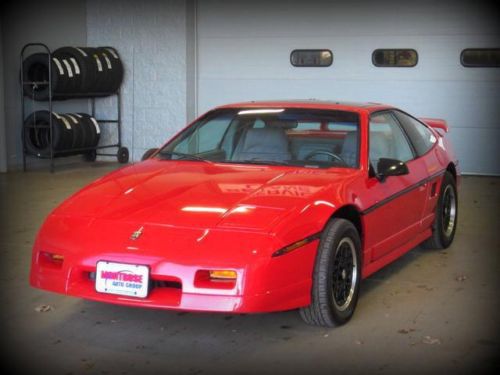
387,140
316,142
296,137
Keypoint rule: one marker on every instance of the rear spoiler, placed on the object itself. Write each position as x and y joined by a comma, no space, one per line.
436,123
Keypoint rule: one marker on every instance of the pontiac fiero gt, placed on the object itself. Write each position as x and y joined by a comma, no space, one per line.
258,207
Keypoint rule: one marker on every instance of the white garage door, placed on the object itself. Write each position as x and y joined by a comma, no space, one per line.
244,54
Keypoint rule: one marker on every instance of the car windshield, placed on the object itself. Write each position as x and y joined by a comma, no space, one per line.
270,136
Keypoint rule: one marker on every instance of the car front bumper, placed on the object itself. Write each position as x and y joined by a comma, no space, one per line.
263,283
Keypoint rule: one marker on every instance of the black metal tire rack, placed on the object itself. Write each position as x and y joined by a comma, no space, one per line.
122,153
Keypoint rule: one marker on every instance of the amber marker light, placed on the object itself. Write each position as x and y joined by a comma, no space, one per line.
51,259
57,257
222,275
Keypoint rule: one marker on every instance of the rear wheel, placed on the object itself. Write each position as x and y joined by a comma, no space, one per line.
445,223
337,276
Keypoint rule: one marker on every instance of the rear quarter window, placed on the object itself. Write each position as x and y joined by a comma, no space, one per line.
421,137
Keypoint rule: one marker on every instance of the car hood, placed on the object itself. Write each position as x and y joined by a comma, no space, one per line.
200,194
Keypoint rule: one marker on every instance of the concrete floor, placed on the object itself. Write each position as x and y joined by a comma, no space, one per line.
429,312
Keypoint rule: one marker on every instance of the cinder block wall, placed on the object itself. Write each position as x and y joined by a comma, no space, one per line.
53,22
151,39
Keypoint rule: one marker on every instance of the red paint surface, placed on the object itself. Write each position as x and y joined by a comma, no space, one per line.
198,216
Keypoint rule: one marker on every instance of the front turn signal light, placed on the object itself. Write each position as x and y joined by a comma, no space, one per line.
215,279
222,275
57,257
51,259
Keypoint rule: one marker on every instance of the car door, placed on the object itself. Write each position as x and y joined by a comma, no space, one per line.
395,217
423,141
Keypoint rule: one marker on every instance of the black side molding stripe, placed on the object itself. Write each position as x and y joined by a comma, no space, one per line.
297,244
402,192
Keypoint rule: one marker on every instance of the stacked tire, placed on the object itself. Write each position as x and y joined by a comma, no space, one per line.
71,133
75,72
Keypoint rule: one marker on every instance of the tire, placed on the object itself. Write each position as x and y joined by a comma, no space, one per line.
72,83
79,61
80,130
148,153
37,134
97,65
445,223
107,64
36,69
117,68
93,129
67,131
77,130
87,133
331,304
76,72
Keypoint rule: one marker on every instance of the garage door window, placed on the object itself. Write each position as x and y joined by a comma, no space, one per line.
311,57
402,58
480,58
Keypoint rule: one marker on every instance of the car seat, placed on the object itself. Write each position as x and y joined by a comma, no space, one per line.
262,144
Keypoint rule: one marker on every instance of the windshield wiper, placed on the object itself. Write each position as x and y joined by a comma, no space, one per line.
182,156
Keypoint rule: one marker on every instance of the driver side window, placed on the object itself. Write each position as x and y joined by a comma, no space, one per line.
387,140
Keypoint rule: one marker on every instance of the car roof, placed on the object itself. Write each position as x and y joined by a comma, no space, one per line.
311,104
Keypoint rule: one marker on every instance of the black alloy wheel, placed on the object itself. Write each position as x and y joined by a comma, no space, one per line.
445,222
336,276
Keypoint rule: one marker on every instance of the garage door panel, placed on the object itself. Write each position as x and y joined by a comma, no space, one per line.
244,54
478,150
461,104
244,57
383,17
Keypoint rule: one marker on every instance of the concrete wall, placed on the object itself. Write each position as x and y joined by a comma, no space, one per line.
53,22
151,38
3,146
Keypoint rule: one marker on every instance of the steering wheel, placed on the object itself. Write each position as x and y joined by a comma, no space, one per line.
327,153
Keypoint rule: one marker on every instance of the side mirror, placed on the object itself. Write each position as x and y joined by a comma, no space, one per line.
390,167
148,153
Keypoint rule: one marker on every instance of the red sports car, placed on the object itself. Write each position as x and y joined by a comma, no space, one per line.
258,207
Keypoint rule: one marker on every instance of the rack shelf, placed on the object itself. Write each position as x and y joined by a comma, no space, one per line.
90,153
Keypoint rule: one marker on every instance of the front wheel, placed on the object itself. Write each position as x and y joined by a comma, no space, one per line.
336,277
445,222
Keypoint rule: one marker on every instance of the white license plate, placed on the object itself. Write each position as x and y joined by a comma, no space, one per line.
123,279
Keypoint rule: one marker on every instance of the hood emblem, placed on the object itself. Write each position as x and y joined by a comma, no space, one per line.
135,235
